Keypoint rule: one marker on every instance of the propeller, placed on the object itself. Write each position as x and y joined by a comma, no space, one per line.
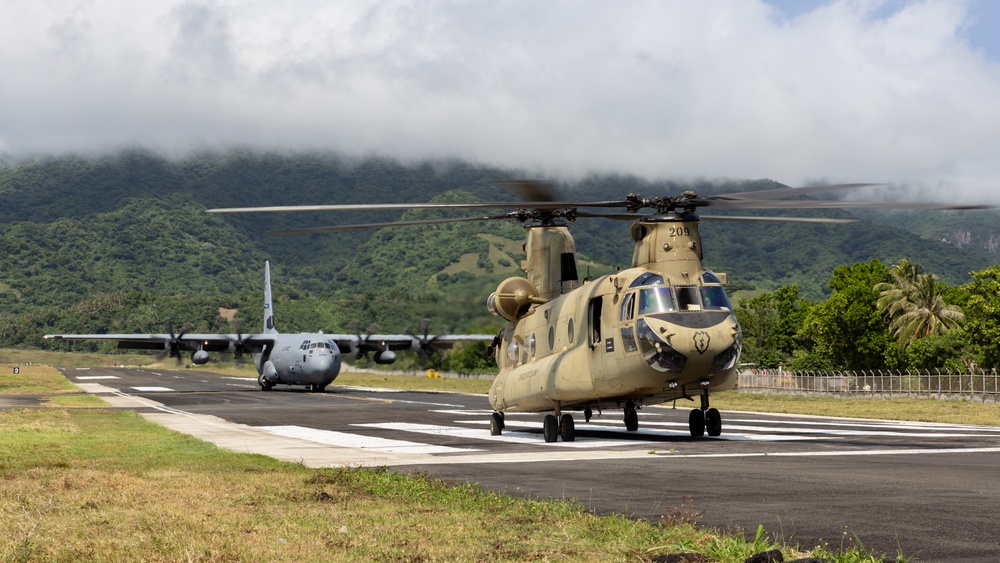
237,347
175,343
363,344
424,345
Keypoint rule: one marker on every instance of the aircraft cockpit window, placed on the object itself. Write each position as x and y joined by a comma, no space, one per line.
655,300
710,277
714,298
628,307
649,278
688,298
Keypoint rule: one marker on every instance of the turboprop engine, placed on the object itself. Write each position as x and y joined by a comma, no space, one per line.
384,357
199,357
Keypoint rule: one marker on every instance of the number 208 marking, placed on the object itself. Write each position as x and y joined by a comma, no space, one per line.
680,232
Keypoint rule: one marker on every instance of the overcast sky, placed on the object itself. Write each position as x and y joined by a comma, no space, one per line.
796,91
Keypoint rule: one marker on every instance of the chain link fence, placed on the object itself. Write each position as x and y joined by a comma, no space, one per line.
980,386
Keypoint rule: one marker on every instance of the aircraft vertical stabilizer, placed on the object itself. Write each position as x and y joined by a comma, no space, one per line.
268,303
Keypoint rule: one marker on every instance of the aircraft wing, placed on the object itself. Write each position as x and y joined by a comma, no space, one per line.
373,342
246,343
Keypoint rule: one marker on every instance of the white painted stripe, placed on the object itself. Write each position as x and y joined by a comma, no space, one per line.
646,431
846,453
358,441
242,378
90,377
82,369
512,437
152,389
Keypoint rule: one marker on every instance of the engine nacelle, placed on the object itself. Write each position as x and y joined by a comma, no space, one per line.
199,357
385,357
512,298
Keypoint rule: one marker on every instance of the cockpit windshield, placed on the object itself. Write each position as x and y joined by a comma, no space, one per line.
655,300
714,298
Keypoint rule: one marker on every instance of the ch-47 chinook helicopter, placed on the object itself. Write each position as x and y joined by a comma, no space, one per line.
661,330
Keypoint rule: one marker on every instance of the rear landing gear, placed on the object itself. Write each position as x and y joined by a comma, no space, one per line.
496,424
631,417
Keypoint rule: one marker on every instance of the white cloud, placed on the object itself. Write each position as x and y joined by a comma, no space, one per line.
853,90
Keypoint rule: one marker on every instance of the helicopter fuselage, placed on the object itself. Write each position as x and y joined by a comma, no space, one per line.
656,332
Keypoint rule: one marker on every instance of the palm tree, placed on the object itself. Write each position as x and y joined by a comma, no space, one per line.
914,303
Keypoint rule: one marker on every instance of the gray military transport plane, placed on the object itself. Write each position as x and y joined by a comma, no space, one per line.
309,359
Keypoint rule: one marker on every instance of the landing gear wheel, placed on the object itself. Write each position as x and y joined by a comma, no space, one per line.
550,428
587,413
713,422
265,385
496,424
567,429
697,423
631,417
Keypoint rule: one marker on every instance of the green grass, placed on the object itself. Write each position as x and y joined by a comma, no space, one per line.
107,485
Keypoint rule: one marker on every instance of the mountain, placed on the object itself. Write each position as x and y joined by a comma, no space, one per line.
122,242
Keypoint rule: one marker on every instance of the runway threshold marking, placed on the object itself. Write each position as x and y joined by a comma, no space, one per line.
152,389
346,440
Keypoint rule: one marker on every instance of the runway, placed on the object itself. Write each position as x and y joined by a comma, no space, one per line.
927,490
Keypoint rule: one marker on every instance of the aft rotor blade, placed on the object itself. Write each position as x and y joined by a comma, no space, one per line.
335,228
823,204
775,219
788,192
636,217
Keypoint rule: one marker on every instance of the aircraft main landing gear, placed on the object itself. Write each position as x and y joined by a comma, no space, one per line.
631,417
496,424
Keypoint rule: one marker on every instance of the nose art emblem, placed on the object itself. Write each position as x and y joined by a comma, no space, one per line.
701,340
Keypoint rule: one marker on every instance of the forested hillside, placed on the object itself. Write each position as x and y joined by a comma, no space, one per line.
122,243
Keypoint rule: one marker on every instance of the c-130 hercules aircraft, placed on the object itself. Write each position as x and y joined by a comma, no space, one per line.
310,359
661,330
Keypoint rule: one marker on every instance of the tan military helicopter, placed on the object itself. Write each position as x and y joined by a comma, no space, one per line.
661,330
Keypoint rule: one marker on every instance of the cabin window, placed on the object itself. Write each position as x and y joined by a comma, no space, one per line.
655,300
513,350
570,333
530,346
552,338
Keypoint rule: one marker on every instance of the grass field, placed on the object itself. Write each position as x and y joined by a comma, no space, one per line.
96,484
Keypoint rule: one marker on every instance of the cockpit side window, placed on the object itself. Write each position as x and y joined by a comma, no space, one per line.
628,307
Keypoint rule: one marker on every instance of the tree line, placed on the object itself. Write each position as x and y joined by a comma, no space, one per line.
877,317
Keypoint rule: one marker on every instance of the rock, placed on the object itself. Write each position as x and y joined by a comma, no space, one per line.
773,556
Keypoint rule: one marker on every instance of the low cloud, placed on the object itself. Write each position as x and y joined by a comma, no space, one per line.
855,90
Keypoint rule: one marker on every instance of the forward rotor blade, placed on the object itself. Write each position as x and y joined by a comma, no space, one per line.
390,206
335,228
788,192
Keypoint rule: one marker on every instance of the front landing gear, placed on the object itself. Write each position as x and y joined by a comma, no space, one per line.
705,419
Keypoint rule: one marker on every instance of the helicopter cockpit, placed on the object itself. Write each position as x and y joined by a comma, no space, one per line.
654,296
651,297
